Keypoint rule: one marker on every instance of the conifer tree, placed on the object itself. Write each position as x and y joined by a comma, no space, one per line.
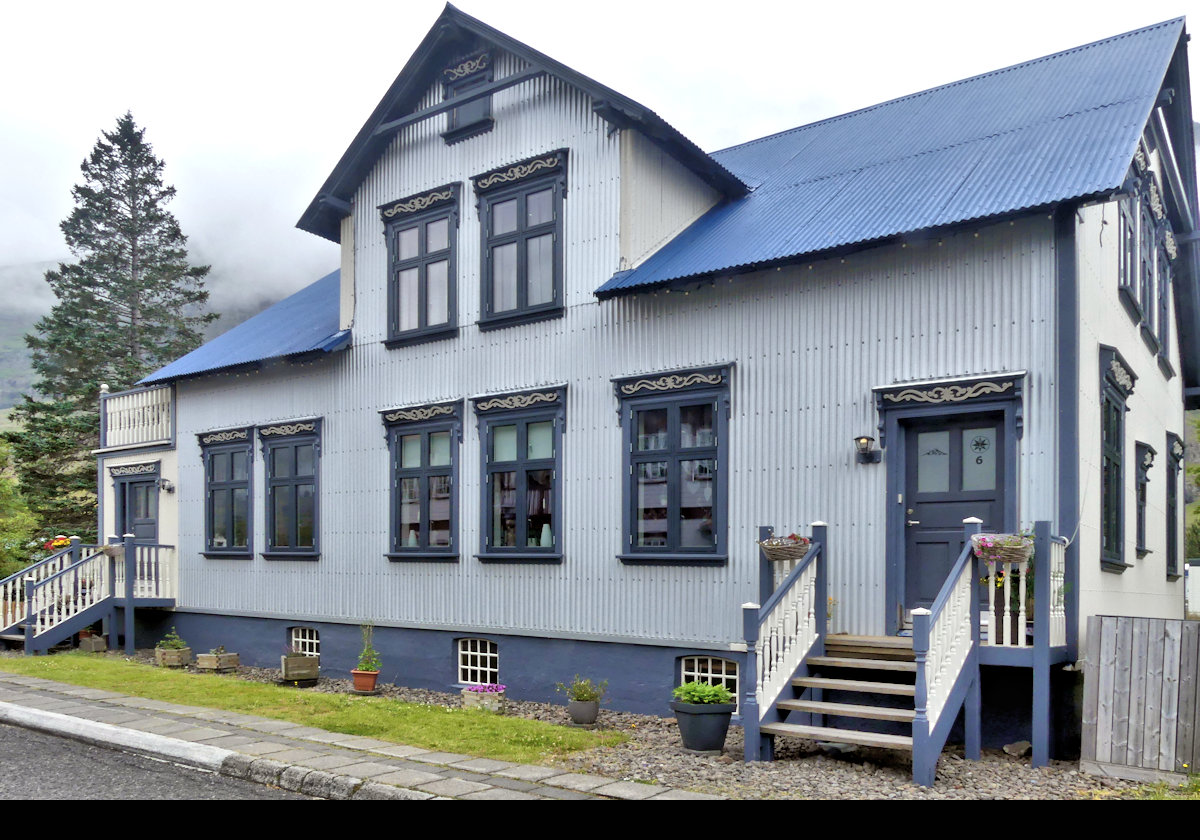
129,304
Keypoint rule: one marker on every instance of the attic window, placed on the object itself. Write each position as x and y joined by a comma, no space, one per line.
474,117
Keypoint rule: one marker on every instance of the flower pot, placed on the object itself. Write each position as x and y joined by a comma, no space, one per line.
364,681
297,667
172,657
703,726
221,662
488,701
583,712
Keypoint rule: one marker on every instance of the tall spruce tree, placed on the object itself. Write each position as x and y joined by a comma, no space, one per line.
129,304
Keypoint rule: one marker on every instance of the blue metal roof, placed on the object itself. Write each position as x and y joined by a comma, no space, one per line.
306,322
1050,130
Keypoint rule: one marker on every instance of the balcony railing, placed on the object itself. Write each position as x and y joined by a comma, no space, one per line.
138,417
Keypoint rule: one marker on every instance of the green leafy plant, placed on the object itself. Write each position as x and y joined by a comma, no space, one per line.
369,659
583,689
702,693
171,641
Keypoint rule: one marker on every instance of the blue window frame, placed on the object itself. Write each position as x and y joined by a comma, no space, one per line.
521,224
521,453
475,117
1116,386
676,452
1144,453
423,443
422,236
228,458
292,452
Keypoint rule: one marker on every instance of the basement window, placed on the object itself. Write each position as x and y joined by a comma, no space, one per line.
305,641
712,670
478,662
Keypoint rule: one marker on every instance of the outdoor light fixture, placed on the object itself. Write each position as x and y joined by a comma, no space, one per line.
165,486
867,455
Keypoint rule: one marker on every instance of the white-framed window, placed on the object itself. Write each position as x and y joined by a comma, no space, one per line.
478,662
306,641
712,670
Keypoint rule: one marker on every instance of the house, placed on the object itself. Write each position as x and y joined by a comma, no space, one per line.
570,363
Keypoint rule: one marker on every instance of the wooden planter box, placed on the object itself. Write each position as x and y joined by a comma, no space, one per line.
297,666
165,658
489,701
220,662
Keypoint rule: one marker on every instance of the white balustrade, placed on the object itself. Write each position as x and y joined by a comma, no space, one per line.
154,572
1058,592
137,417
786,636
68,593
949,644
999,580
12,589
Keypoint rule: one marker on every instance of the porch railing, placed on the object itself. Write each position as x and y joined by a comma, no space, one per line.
1008,623
154,572
12,588
780,634
945,642
137,417
66,594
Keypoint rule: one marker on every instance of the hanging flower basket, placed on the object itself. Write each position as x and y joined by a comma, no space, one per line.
791,547
1002,548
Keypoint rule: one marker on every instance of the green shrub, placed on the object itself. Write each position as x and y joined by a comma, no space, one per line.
171,641
583,689
702,693
369,659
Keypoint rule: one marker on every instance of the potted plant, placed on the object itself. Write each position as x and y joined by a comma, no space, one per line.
703,711
489,697
583,699
172,651
299,668
367,671
217,660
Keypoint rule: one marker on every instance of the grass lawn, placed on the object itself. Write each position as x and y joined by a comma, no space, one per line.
1162,790
467,731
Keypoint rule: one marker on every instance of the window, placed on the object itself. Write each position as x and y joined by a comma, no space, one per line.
521,223
676,449
227,458
421,234
1147,248
1145,460
521,438
465,77
712,670
1175,453
423,442
305,641
292,451
1116,386
1164,303
478,662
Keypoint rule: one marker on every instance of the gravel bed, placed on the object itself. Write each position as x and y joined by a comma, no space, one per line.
802,770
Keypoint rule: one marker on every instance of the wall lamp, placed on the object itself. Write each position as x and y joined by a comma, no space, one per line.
165,486
866,454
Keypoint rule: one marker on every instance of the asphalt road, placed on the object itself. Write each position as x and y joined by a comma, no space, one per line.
34,765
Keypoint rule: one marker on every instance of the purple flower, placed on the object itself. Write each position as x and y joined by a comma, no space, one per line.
488,688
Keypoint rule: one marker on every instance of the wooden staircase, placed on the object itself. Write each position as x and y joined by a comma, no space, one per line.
874,671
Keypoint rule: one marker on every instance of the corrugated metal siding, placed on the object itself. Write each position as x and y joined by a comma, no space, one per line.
808,347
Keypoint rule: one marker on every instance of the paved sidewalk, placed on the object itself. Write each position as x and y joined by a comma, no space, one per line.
299,758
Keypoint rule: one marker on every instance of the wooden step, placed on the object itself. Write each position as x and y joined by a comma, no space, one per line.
839,736
869,664
872,647
856,685
849,710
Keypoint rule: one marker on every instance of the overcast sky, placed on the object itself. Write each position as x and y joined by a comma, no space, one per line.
251,103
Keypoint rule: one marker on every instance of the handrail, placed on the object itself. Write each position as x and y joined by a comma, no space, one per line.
12,588
66,594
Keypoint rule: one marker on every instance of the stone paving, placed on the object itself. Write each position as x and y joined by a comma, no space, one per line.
312,761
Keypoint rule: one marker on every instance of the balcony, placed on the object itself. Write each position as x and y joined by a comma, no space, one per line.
136,418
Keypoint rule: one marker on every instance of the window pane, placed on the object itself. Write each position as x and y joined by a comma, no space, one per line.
652,504
220,466
933,462
239,466
504,443
539,501
407,243
540,268
220,519
410,451
306,515
652,429
695,504
439,449
439,510
979,459
284,516
437,236
504,510
437,293
241,510
305,459
410,511
541,440
504,217
504,277
696,425
281,462
539,207
407,299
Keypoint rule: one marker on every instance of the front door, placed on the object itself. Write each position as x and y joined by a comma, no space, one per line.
138,509
954,468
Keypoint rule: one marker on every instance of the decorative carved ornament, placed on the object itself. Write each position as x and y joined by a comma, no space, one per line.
1139,158
1148,460
411,414
1177,449
134,469
1170,244
1121,375
287,429
466,68
1156,204
225,437
671,382
519,171
517,401
417,203
948,393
